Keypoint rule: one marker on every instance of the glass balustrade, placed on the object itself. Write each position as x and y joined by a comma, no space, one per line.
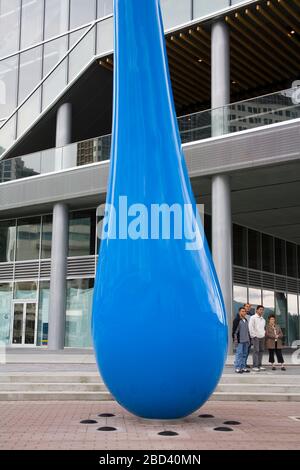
244,115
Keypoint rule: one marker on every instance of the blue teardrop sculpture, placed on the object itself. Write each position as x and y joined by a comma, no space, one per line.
159,324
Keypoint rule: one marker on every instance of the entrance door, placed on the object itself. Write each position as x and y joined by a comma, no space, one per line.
24,323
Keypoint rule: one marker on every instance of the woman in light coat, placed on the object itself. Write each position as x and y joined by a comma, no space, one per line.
274,337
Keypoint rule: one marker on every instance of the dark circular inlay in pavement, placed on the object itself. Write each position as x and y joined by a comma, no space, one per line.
106,415
88,421
168,433
232,423
106,428
223,428
206,416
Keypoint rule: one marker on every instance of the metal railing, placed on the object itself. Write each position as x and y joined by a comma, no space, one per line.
244,115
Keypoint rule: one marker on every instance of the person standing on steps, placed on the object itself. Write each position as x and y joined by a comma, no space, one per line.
274,337
241,338
248,316
257,326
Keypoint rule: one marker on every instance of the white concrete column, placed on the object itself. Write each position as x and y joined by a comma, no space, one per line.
63,135
59,248
58,280
221,193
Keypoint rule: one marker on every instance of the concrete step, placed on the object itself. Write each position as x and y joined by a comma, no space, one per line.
51,387
53,377
261,378
258,388
55,396
248,396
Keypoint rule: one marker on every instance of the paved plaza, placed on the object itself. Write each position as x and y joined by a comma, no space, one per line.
56,425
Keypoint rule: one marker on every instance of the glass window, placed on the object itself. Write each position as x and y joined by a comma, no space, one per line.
78,315
28,239
32,22
7,241
268,302
82,237
240,294
5,312
42,329
104,8
293,319
208,228
56,17
30,71
239,246
267,253
175,13
254,249
26,290
254,298
291,259
8,86
82,12
203,7
105,36
53,52
281,312
280,259
46,236
9,26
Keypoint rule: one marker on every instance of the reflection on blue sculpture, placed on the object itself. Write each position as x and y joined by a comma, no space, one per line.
159,324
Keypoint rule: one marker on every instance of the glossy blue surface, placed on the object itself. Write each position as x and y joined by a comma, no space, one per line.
159,324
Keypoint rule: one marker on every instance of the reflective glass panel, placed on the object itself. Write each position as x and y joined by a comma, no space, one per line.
280,257
42,333
239,245
105,36
267,253
78,315
53,52
254,249
26,290
28,239
8,86
32,22
82,12
104,8
291,259
254,298
18,324
82,53
293,319
240,294
203,7
7,241
281,312
30,320
268,302
9,26
175,13
46,236
30,71
56,17
6,294
82,233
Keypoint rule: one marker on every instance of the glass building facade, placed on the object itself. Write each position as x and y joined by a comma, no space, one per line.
25,244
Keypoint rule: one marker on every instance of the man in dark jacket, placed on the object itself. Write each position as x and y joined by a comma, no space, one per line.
241,338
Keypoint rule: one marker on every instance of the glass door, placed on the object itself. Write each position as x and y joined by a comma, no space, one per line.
24,323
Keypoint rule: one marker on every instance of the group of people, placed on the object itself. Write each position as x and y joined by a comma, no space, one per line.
254,330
